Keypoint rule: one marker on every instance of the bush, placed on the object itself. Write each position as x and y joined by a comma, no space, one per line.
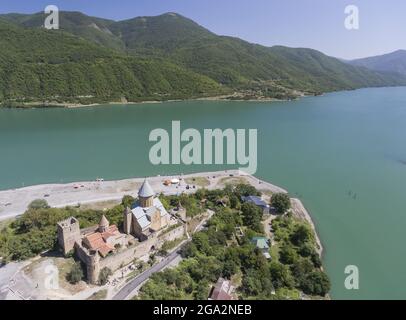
75,274
246,190
301,234
127,201
104,275
281,202
281,276
252,216
38,204
316,283
288,255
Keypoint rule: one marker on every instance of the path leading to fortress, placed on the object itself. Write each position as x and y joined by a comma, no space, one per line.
129,289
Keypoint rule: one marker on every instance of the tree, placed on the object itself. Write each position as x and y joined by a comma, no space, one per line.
301,268
288,254
104,275
75,274
316,283
315,257
234,202
252,216
38,204
246,190
127,201
281,202
281,276
230,268
306,249
202,290
301,234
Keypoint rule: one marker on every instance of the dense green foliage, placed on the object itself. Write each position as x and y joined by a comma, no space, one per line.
104,275
298,252
75,274
54,67
281,202
38,204
165,57
218,251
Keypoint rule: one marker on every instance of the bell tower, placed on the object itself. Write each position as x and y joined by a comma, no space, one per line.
146,195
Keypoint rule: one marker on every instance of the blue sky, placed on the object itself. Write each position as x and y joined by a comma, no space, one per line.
317,24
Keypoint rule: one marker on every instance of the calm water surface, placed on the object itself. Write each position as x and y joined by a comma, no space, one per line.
343,154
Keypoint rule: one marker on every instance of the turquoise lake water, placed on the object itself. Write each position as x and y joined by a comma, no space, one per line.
343,154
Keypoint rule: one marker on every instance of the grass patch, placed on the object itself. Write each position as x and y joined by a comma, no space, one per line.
198,181
169,245
99,295
101,205
233,180
5,223
274,252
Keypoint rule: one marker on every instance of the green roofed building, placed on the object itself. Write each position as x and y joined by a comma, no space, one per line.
262,244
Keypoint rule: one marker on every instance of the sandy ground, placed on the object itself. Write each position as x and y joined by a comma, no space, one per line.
14,202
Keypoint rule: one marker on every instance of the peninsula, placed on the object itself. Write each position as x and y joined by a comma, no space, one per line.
130,232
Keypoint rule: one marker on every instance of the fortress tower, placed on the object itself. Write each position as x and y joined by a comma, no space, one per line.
68,234
93,267
127,220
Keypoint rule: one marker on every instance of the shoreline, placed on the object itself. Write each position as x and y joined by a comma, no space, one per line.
14,202
51,105
230,97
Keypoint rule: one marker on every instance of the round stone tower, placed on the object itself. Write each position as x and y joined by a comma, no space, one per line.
127,220
146,195
93,267
103,224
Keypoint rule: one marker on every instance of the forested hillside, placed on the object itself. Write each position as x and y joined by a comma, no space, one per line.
41,65
158,58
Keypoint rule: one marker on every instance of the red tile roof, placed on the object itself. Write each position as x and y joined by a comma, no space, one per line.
222,290
97,240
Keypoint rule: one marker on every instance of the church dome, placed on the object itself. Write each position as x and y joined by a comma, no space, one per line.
104,222
146,190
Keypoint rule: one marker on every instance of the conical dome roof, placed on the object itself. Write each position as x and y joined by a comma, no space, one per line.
104,222
146,190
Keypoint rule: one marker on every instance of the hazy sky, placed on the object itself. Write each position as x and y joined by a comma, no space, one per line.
317,24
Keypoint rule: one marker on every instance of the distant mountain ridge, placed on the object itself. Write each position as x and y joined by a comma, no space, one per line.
394,62
218,65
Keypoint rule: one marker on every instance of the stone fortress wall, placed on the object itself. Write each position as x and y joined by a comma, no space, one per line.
126,256
94,248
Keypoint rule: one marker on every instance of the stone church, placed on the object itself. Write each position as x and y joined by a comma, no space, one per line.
105,246
147,216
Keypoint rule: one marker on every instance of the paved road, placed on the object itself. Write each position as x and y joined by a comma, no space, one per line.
133,284
130,287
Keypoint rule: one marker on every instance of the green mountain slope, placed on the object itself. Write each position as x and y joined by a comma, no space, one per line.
236,63
394,62
39,65
217,64
77,23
